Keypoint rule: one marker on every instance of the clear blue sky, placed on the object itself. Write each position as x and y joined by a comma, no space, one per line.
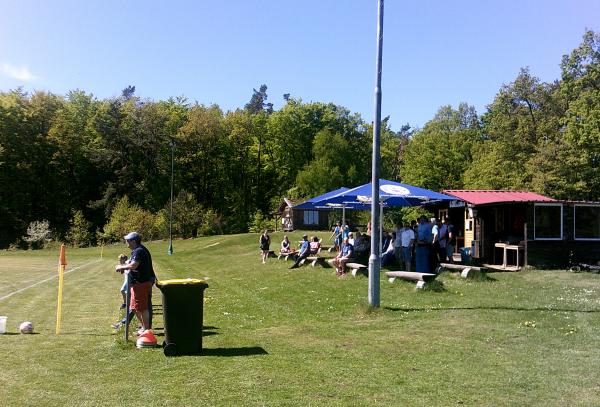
436,52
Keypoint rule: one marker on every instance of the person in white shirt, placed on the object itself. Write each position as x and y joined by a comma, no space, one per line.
435,245
407,240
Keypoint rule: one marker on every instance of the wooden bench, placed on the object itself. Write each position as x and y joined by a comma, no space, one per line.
465,270
410,276
314,260
356,267
284,256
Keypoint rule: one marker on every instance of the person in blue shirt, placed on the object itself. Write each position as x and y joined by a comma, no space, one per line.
303,253
424,240
345,231
343,257
337,236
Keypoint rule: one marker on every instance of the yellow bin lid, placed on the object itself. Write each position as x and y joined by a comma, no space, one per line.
180,281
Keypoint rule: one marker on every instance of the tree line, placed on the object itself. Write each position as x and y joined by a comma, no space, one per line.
86,169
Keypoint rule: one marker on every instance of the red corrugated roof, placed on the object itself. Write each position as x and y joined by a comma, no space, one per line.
481,197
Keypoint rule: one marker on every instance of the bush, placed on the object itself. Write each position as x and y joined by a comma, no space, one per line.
212,223
259,223
79,233
187,215
126,218
38,234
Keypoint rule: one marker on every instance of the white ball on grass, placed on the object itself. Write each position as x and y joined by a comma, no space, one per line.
26,327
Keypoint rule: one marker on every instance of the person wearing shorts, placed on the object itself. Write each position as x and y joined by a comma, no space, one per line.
142,277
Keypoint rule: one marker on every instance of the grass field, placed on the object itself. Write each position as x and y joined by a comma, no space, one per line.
279,337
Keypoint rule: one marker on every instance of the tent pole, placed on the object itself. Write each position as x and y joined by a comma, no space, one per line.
380,229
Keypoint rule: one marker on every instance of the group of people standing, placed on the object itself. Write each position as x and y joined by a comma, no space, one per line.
435,243
420,246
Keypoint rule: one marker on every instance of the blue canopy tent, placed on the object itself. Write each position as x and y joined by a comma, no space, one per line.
391,194
312,203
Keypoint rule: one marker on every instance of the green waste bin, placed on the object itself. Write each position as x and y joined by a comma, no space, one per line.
183,303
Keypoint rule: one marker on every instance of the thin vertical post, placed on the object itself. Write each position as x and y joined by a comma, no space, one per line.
374,259
170,251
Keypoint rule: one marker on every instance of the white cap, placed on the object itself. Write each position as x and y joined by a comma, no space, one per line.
132,236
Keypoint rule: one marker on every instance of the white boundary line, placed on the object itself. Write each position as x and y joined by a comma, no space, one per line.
46,280
211,245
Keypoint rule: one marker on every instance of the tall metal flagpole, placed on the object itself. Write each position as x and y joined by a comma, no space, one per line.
374,259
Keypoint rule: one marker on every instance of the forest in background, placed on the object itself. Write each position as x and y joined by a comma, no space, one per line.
80,169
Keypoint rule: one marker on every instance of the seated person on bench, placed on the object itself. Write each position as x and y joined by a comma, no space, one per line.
343,257
302,254
388,256
285,245
315,245
361,245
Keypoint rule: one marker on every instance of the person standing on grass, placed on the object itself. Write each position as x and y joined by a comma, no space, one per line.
398,244
337,236
424,239
451,240
265,242
443,241
434,250
141,277
407,240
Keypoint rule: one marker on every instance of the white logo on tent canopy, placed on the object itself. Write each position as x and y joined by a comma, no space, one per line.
395,190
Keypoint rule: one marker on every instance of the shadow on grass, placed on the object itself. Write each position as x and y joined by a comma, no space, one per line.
246,351
427,309
209,331
206,331
435,286
483,277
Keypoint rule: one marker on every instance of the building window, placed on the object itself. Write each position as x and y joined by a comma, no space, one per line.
587,222
548,223
311,217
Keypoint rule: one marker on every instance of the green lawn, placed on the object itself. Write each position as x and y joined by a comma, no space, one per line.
281,337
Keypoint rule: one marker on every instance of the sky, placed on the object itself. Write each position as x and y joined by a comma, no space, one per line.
435,52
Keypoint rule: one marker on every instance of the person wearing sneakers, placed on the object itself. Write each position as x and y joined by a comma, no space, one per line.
302,254
122,260
343,257
142,278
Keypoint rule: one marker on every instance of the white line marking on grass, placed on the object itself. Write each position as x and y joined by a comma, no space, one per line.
211,245
48,279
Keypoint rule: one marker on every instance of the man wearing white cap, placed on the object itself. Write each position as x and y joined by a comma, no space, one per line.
142,277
